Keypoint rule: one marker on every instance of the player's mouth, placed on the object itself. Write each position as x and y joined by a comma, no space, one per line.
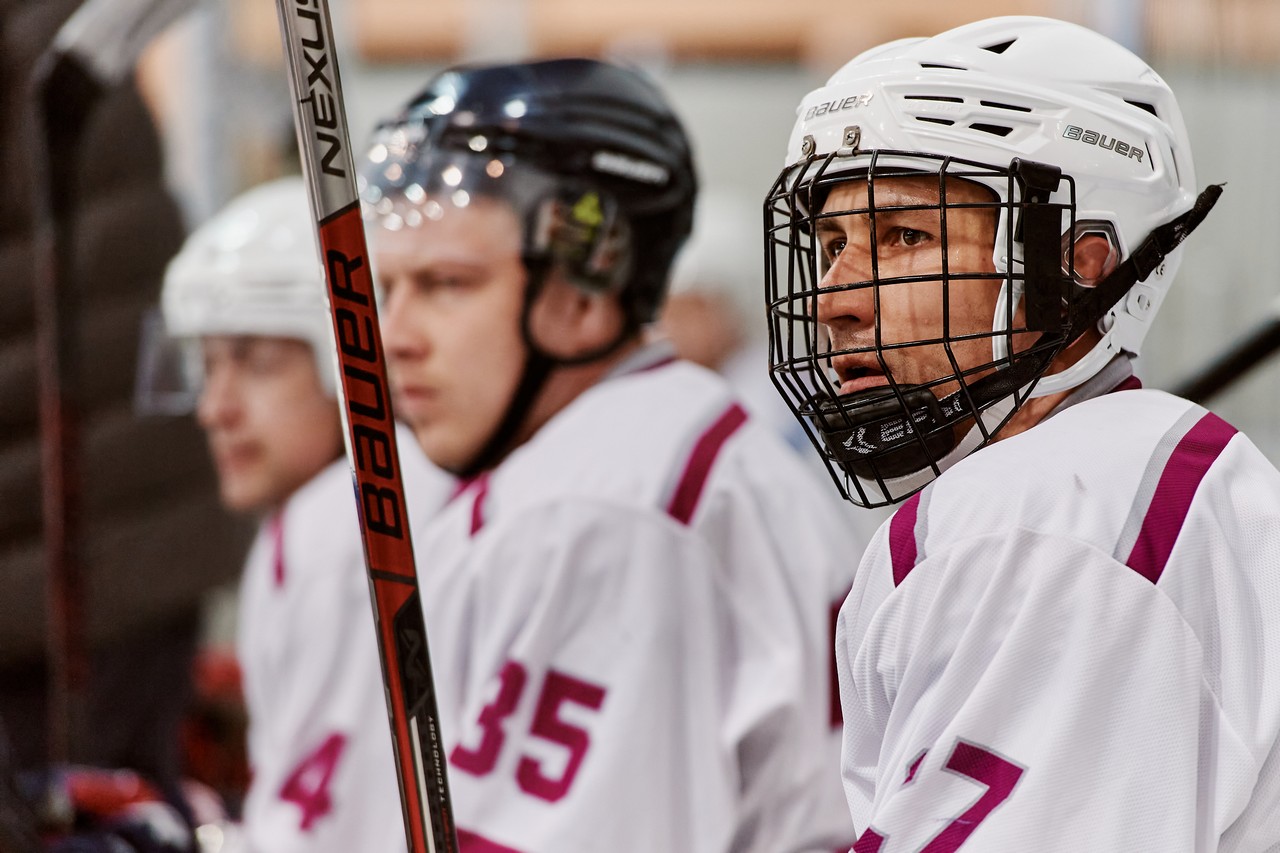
233,458
856,375
412,402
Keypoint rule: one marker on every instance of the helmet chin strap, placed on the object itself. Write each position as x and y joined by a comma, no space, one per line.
1076,374
894,488
884,434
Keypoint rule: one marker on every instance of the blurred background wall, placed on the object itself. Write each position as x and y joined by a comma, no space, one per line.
736,69
154,539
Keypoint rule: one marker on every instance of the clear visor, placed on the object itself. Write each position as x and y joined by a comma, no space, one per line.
169,372
406,183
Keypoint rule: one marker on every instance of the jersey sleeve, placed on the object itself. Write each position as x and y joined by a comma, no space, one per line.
1025,692
599,711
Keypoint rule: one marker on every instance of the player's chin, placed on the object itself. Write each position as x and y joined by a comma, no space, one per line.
246,492
447,447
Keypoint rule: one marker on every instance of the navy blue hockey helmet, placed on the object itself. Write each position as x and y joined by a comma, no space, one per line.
589,154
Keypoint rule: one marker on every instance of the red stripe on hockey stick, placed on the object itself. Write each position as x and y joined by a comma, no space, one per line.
1187,465
696,470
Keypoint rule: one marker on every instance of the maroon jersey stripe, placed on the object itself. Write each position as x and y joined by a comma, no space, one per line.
1130,383
1187,465
477,506
902,539
698,467
277,544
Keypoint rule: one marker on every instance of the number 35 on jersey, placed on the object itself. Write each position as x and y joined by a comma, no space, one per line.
561,716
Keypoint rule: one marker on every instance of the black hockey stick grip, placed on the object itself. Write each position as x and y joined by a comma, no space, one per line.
1234,362
329,169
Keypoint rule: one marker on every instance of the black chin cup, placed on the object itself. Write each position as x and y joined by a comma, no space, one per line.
871,435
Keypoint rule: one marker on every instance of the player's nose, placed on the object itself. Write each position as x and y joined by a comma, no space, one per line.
845,293
400,337
218,405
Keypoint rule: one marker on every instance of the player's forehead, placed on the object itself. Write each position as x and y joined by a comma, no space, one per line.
903,191
442,229
240,346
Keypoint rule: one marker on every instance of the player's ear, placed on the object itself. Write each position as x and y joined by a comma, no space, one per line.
1094,258
567,321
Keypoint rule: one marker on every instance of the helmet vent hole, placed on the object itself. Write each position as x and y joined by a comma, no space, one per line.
948,122
996,105
1001,47
996,129
946,99
1143,105
940,65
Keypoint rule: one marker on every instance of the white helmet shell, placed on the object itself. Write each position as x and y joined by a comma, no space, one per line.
1037,89
254,269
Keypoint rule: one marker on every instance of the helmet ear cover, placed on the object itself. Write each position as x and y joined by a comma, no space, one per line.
582,233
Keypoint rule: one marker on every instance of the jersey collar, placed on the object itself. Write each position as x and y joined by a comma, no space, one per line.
1117,375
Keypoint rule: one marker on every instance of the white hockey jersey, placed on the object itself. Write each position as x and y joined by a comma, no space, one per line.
630,622
324,779
1071,641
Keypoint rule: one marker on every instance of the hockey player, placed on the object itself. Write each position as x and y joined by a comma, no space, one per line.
629,603
1069,639
247,288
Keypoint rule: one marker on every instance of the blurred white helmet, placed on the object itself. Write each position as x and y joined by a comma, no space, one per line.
251,269
1071,132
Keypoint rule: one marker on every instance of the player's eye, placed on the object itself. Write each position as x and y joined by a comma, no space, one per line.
831,249
265,356
907,237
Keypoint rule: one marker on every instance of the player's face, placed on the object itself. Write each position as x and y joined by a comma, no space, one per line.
451,301
270,426
908,243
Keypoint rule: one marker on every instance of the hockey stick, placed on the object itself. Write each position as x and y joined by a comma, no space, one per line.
91,52
325,144
1234,362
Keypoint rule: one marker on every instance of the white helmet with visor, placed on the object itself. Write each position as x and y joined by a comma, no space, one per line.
251,269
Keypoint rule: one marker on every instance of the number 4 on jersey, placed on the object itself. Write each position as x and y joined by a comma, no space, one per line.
308,784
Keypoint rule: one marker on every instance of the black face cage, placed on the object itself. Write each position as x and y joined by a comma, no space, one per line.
884,443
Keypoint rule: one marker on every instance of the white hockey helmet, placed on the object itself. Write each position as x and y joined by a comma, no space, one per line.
253,269
1072,133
